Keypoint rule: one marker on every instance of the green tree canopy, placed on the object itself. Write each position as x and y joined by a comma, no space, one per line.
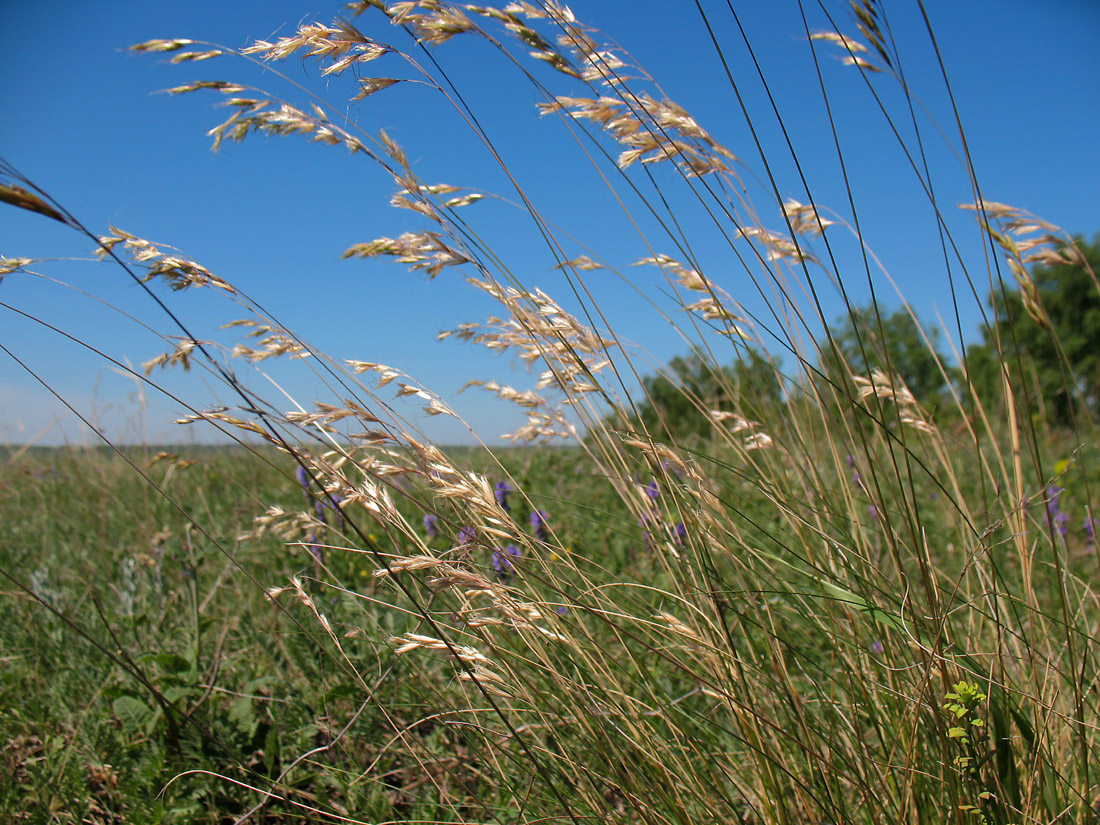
895,343
1048,337
675,401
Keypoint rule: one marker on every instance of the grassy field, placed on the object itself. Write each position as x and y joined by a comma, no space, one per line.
793,592
139,643
148,675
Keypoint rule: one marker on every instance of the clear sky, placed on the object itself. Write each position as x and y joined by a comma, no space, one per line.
83,119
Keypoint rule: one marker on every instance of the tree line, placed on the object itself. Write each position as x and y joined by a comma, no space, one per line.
1044,335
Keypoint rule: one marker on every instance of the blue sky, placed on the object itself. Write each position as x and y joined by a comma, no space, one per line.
85,122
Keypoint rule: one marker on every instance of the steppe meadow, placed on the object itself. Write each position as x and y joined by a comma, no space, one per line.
629,455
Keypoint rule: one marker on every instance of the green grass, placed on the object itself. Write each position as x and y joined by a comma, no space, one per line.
128,602
826,604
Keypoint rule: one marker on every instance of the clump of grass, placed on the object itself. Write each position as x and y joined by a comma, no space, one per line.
788,619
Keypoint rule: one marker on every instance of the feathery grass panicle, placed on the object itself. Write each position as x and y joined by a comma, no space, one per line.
799,592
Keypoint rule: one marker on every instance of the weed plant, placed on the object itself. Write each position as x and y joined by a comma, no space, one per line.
832,607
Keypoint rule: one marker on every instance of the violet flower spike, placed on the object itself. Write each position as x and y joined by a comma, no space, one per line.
1054,513
647,537
539,520
335,502
503,562
501,491
314,549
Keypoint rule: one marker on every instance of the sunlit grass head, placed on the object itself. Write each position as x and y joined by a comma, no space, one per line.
820,567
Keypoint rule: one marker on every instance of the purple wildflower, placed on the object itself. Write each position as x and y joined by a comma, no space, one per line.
501,491
314,549
334,502
644,523
467,535
538,524
653,490
303,477
431,525
680,533
503,562
876,647
1055,514
872,511
1090,530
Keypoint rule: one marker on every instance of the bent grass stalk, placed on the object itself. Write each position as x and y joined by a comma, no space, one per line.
820,572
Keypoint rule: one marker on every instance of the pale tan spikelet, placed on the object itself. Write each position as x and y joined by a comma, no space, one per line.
451,576
488,680
993,209
805,218
463,200
544,428
438,25
376,500
387,374
370,85
847,43
527,398
684,275
758,441
582,263
1014,224
199,85
463,654
778,246
289,526
272,342
161,45
180,356
917,422
1067,254
653,131
881,385
401,565
427,251
677,626
327,414
659,455
341,43
10,265
737,423
861,62
286,120
177,271
195,57
296,589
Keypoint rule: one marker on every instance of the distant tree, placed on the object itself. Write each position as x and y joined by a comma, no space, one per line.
675,402
1047,337
893,343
